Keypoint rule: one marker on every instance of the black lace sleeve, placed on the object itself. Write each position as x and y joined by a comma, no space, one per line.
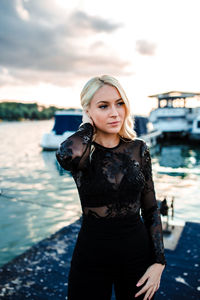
75,149
149,208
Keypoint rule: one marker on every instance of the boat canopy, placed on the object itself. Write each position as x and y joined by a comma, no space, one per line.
173,96
66,121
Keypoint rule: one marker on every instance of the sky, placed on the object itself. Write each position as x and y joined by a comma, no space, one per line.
49,49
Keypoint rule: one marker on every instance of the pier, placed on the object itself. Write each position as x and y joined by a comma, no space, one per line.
41,272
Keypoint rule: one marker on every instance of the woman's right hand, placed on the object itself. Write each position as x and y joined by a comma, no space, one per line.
86,118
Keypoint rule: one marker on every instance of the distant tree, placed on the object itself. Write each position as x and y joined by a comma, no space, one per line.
15,111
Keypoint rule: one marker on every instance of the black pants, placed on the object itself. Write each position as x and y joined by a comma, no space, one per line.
109,252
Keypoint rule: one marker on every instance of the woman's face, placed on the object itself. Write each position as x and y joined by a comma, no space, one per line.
107,107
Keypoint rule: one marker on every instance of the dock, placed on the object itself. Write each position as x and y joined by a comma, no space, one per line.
41,272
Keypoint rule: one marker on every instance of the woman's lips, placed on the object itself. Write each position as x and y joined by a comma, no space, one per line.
114,123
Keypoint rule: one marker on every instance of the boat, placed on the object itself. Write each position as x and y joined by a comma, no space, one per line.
66,122
173,116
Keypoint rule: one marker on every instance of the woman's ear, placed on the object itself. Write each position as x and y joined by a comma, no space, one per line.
88,112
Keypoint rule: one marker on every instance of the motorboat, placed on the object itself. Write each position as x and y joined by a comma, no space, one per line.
66,122
174,116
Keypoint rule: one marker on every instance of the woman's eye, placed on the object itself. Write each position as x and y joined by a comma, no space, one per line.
104,106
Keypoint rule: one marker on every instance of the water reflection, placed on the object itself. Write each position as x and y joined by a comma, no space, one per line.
171,157
176,156
178,160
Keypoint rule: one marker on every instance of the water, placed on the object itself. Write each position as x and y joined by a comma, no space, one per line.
37,198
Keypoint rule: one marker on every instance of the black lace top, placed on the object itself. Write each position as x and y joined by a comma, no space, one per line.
114,182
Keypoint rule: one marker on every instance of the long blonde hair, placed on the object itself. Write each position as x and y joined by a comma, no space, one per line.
96,83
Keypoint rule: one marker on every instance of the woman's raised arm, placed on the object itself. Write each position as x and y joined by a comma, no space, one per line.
74,151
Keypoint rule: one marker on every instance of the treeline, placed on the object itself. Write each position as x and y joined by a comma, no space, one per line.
16,111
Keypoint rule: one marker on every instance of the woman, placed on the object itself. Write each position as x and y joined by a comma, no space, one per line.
113,173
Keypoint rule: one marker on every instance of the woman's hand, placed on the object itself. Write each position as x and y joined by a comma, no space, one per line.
153,274
86,118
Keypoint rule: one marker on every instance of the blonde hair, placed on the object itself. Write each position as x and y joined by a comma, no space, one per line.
96,83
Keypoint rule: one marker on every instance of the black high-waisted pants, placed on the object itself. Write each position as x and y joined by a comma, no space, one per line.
107,252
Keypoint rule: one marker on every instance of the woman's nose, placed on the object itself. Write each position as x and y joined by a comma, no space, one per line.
113,111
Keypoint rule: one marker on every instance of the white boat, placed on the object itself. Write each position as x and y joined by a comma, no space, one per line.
173,116
66,123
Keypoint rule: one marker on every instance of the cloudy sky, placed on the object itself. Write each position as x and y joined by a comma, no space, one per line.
50,48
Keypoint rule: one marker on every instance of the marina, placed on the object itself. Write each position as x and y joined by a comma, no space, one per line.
54,59
173,117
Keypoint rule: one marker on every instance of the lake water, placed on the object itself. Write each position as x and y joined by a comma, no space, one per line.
38,198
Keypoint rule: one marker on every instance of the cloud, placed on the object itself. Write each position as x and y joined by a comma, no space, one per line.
41,43
23,13
145,47
97,24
